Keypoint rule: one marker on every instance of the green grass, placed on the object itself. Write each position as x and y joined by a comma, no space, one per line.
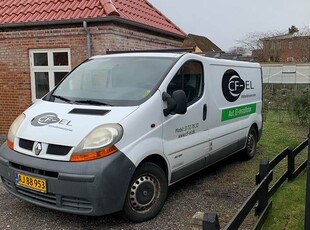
288,203
288,206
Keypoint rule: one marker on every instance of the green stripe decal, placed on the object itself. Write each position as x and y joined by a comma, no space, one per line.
239,111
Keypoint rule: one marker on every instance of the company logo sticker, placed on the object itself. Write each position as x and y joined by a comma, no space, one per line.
238,111
45,119
52,120
232,85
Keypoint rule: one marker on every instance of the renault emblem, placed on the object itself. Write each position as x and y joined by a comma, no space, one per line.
38,148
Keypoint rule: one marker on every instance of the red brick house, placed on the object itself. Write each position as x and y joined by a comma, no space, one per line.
41,40
285,48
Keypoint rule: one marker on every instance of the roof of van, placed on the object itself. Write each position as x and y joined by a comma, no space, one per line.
211,60
143,54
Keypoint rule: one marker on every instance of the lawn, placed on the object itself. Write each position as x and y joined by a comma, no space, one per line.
288,206
288,203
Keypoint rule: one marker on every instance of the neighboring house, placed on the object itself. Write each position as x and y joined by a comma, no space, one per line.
42,40
285,48
200,44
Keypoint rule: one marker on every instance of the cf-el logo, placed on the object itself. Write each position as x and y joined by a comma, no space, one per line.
38,148
232,85
45,119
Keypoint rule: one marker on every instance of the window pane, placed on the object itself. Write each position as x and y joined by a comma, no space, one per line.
59,76
60,58
41,83
40,59
189,79
116,80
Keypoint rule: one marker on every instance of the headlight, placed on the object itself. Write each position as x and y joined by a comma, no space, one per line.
98,143
13,130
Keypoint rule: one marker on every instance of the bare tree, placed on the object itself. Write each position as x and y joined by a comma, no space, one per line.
239,50
254,40
268,46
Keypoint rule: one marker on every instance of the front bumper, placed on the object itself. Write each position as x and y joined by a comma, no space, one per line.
94,188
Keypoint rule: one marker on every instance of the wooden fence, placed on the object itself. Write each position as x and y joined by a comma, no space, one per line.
263,191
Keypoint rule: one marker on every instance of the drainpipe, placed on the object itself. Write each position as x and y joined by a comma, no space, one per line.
88,45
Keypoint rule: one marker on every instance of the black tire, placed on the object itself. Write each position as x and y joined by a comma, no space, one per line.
251,143
146,194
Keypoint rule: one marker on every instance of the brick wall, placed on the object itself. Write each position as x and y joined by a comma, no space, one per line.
295,49
15,85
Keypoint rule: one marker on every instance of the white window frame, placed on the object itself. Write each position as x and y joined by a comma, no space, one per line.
290,59
290,45
50,68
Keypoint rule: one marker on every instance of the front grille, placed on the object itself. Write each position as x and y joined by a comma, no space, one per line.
26,144
58,150
66,203
75,204
52,149
45,198
34,170
7,183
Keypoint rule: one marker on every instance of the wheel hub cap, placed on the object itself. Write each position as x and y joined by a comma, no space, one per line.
142,192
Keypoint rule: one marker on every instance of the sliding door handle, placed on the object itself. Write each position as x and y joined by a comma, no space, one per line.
204,113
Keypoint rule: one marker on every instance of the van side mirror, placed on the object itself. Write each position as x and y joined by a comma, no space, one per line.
176,103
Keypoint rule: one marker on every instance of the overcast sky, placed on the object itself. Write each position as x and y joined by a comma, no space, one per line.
226,21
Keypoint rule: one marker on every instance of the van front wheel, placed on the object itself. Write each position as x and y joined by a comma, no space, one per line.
146,194
251,143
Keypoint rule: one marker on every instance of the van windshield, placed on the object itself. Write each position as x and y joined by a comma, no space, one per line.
113,80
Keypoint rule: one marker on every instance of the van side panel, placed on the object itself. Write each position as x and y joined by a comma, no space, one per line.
234,98
145,136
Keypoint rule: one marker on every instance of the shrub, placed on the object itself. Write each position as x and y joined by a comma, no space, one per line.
300,106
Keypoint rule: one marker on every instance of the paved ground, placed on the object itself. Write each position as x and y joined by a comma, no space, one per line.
220,189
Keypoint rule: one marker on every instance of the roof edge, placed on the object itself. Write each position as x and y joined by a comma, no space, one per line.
158,11
98,19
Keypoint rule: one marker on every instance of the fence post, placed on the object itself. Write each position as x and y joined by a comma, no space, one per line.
210,222
307,211
263,195
263,170
290,163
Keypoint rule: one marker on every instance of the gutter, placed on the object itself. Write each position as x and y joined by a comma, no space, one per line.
88,41
91,20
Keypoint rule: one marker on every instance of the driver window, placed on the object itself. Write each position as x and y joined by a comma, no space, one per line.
189,78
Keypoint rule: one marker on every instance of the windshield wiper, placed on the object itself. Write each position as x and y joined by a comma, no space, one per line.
92,102
64,99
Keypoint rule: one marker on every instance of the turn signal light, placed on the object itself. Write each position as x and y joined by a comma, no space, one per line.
87,156
10,144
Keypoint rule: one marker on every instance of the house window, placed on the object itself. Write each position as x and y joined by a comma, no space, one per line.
47,67
290,45
290,59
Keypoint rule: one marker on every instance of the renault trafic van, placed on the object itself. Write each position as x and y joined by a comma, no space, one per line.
119,129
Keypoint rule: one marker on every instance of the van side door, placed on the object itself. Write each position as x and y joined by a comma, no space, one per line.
184,135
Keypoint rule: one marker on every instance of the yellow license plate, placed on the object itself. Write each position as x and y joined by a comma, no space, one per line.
31,182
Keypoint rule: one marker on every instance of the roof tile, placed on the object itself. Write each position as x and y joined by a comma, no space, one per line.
141,11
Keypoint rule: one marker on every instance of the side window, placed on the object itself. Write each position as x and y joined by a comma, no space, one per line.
189,78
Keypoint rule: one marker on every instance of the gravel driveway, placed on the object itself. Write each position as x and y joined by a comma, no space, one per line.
220,189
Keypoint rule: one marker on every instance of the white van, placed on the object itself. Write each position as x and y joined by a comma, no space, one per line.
121,128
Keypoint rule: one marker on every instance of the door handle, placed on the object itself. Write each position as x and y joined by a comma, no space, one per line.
204,113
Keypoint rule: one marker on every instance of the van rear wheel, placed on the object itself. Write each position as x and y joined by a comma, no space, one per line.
146,194
251,143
